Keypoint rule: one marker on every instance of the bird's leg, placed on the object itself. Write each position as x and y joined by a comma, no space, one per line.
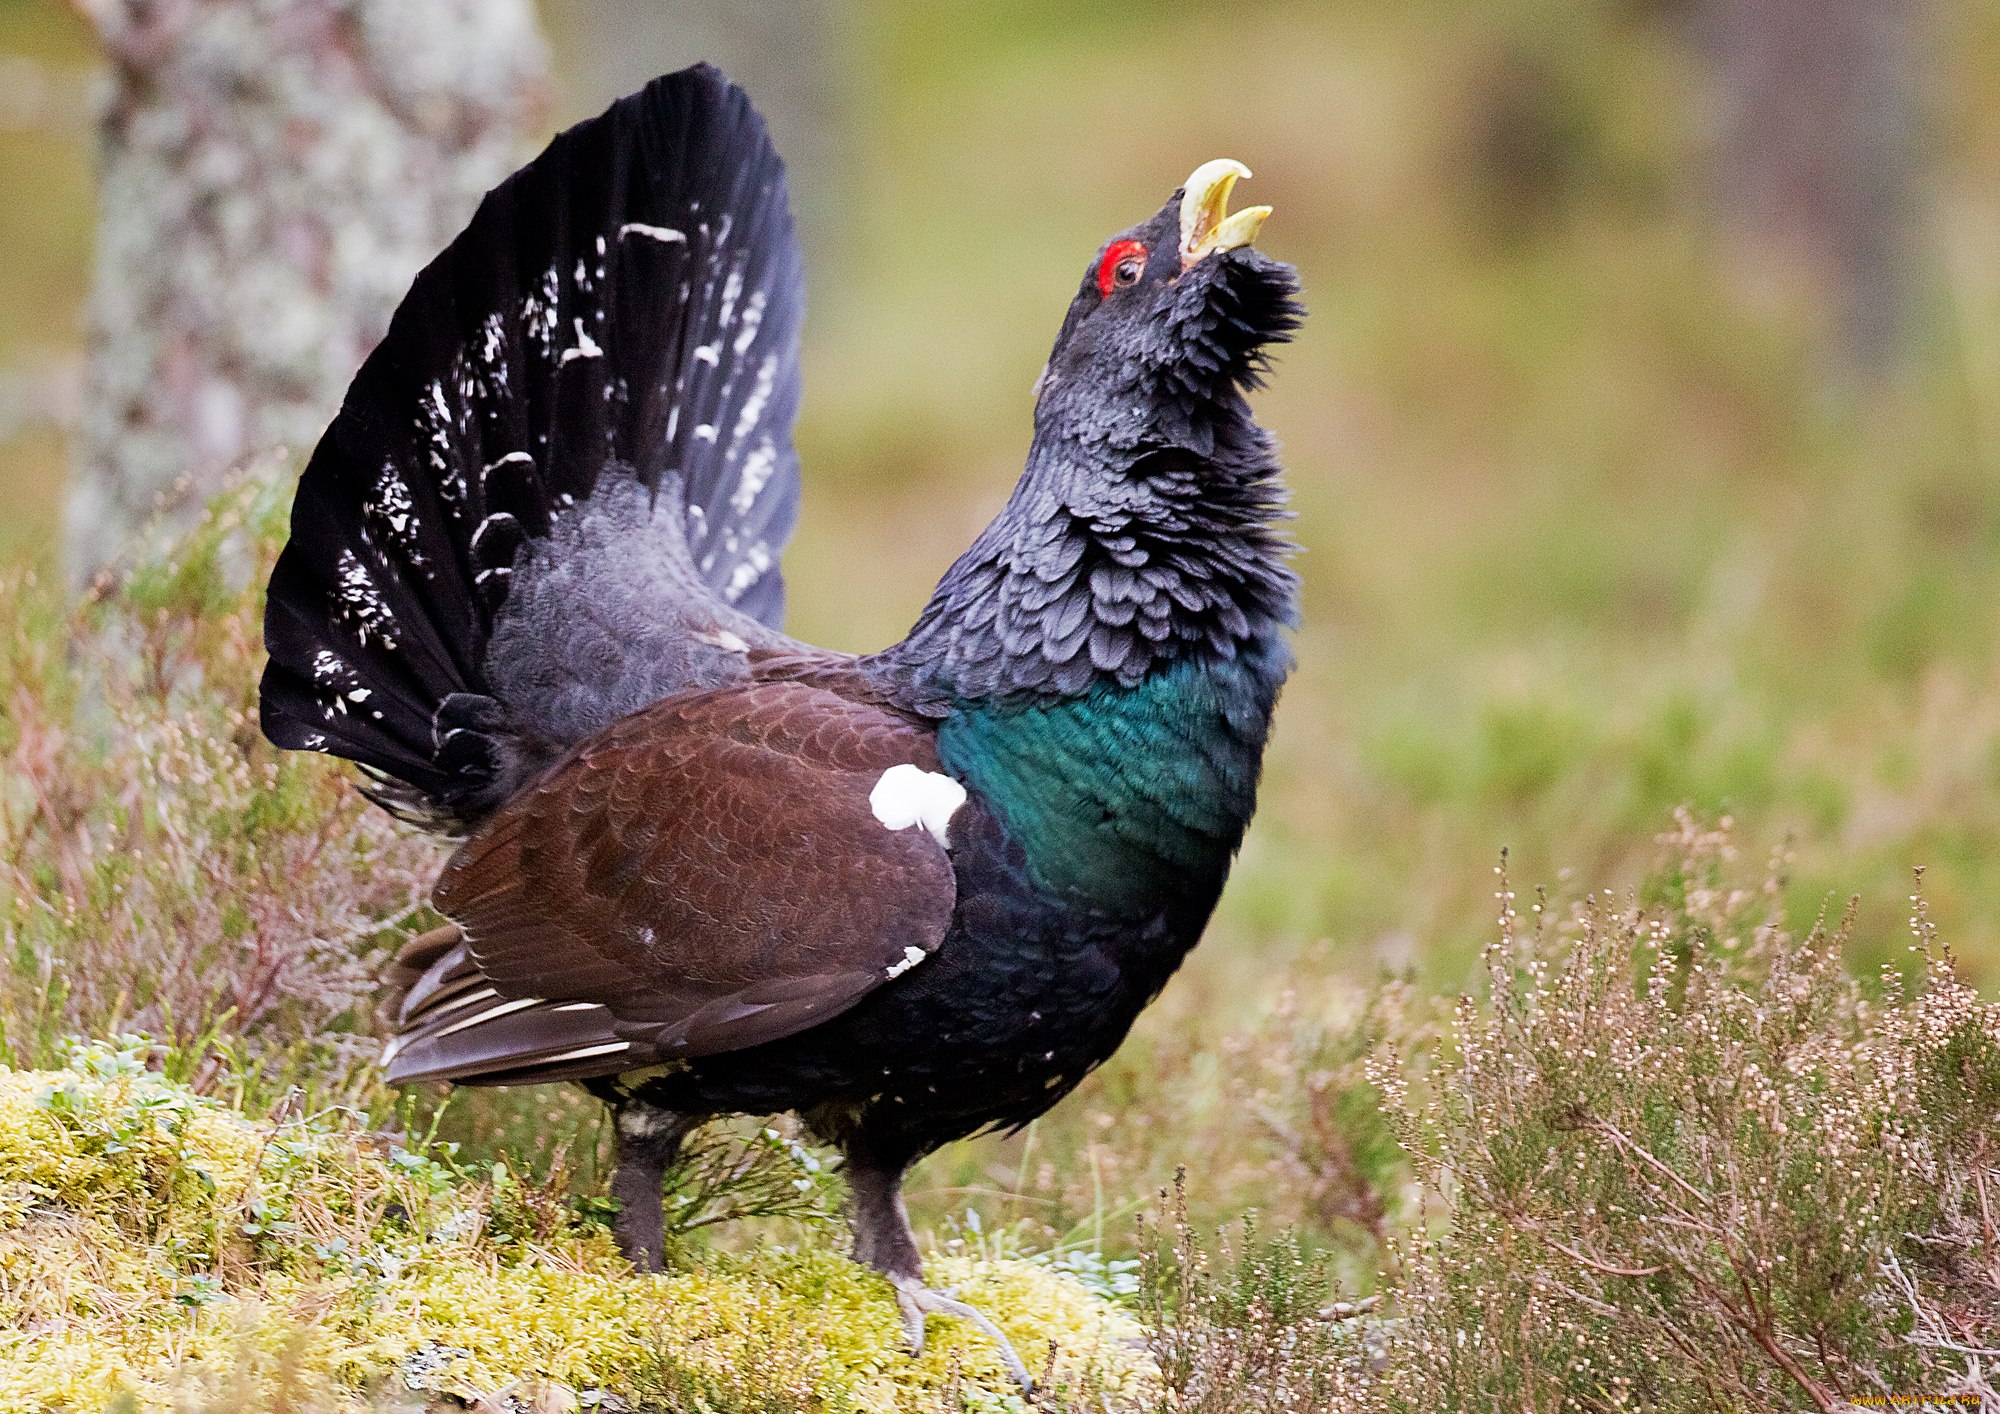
649,1140
883,1240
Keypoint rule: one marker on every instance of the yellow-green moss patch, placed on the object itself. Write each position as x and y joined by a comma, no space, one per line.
153,1242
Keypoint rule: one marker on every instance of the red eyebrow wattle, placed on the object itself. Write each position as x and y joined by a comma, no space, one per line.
1116,255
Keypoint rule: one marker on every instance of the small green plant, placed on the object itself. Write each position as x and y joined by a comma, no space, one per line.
164,870
726,1173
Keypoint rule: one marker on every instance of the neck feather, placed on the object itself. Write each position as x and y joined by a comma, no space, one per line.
1106,566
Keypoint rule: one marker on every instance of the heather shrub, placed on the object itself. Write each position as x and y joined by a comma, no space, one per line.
1276,1111
1681,1160
1248,1322
164,869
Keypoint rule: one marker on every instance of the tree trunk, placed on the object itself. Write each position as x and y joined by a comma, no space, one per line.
1819,175
272,173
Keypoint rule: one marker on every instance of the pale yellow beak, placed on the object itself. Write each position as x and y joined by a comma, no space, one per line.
1206,222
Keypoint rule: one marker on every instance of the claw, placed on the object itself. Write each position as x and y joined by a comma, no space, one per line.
917,1301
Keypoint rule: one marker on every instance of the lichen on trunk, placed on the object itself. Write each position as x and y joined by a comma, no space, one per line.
271,173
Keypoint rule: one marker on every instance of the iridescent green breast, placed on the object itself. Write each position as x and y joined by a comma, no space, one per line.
1125,796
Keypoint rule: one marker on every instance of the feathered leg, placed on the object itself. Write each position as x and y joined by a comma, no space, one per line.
883,1240
649,1140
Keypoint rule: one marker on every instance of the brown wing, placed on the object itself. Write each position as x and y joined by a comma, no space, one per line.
702,876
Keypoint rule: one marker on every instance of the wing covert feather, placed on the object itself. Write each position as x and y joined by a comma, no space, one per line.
709,870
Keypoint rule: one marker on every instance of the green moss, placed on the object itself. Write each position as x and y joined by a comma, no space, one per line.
153,1242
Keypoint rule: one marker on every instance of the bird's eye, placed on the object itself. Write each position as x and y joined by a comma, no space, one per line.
1124,262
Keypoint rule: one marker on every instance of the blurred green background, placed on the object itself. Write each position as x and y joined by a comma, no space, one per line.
1606,507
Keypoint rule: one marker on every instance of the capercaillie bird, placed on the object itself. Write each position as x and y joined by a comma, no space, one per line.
532,589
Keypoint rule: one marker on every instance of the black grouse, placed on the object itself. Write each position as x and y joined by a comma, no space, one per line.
532,588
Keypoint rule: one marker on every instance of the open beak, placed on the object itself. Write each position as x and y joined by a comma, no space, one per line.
1207,224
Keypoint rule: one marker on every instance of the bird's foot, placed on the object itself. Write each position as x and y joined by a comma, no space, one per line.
918,1301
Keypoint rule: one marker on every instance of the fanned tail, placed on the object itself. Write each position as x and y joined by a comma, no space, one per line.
566,473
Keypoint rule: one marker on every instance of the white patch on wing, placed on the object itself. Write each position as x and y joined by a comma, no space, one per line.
909,795
461,1002
392,501
538,310
910,958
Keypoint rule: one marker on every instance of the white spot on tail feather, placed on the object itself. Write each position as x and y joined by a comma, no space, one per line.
665,234
361,602
910,958
586,347
392,503
491,522
755,562
509,459
760,397
909,795
731,288
757,469
753,316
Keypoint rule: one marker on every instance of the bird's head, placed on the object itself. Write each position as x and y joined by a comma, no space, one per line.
1170,324
1144,530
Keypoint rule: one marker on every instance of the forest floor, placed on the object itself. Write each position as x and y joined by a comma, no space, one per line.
1670,1153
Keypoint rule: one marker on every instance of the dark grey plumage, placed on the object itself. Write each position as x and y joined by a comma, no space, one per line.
1131,540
